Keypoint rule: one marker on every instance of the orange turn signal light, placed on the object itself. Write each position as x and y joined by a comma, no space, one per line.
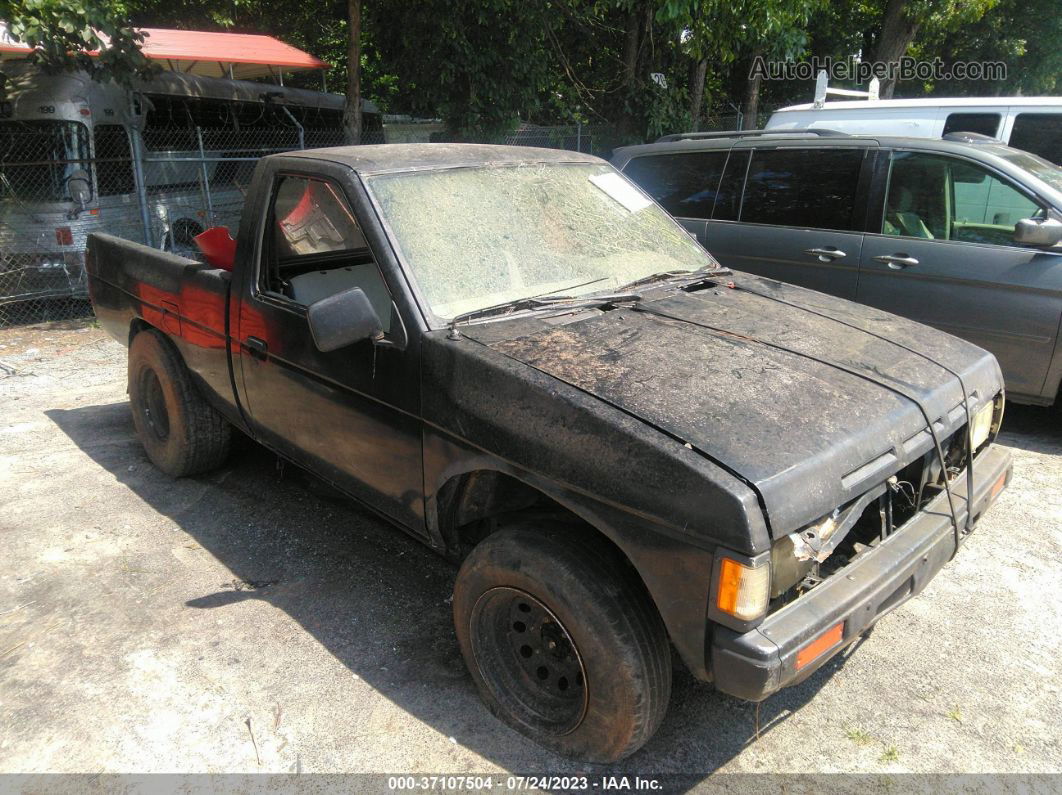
822,644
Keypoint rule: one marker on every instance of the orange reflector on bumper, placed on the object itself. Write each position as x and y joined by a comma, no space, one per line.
998,486
823,643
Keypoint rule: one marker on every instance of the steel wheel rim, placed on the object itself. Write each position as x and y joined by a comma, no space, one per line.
528,660
153,404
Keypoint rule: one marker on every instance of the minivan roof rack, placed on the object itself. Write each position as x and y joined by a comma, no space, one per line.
692,136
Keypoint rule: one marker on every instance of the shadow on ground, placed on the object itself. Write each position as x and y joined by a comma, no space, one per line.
369,593
1032,428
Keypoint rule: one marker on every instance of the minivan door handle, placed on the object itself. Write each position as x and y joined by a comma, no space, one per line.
825,254
897,261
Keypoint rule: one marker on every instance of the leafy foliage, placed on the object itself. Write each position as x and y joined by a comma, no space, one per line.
65,31
644,67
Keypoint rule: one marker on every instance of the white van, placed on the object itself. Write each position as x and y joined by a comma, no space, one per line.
1030,123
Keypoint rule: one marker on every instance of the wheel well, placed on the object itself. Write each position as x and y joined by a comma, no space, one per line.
138,325
474,505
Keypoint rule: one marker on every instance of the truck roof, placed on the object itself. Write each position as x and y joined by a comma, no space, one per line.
380,158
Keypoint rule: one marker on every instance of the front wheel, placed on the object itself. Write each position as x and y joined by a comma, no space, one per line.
562,640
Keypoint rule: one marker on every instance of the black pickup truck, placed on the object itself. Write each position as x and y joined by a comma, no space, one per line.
518,358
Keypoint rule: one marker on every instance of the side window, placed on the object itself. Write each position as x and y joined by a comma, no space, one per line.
813,188
983,123
944,198
686,184
314,247
114,165
731,186
1039,133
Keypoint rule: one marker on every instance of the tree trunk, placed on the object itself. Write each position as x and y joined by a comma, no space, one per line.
630,46
752,96
697,74
352,108
897,33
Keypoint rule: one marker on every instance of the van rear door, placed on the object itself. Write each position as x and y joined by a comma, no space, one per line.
798,218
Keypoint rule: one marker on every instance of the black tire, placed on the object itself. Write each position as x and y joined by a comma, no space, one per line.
544,588
181,433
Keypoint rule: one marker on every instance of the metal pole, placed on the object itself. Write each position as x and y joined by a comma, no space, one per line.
205,176
137,141
579,136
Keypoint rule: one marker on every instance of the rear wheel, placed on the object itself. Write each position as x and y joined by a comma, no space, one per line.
181,433
562,640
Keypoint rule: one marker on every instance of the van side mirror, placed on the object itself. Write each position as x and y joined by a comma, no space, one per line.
79,185
343,319
1038,232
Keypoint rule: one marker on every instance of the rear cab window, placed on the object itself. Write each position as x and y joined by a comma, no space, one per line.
313,247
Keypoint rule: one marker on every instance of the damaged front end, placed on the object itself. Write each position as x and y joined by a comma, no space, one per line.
804,559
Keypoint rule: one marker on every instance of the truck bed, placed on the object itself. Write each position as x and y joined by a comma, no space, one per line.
131,284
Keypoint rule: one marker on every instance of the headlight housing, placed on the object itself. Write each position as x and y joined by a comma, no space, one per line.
985,420
742,591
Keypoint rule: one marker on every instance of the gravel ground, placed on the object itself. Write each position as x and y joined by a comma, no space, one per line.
249,621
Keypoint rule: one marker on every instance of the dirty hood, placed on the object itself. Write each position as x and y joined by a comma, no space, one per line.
792,391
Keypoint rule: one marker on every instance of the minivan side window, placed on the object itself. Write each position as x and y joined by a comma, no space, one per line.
934,197
813,188
684,184
983,123
1039,133
731,186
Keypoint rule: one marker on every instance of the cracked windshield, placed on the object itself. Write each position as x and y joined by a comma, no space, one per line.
478,237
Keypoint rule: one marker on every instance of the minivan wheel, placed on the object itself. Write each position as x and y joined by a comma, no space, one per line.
562,640
182,434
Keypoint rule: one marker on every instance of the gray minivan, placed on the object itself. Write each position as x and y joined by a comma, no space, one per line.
962,233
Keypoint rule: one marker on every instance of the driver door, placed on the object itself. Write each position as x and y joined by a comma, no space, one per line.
348,415
942,252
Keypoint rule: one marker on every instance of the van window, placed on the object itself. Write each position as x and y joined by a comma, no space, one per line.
814,188
983,123
114,166
685,184
728,200
314,247
934,197
1039,133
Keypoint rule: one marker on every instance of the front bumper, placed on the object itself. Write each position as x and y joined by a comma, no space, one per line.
755,664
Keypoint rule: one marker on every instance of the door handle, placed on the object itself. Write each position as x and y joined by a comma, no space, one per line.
825,254
258,348
897,261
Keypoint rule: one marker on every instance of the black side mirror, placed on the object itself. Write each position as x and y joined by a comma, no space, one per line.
343,319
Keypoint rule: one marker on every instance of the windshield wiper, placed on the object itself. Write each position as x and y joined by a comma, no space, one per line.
679,275
541,303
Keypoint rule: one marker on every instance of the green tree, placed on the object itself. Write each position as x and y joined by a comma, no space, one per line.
722,33
64,32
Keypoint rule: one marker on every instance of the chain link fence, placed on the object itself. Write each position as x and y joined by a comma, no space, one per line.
60,182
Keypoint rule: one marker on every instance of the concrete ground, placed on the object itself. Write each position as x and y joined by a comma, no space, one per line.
246,621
